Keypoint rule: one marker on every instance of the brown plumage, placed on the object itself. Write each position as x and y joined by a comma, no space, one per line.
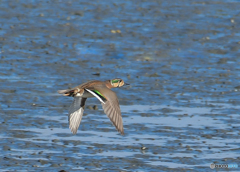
102,91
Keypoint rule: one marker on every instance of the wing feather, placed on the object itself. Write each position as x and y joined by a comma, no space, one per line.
110,106
99,98
112,109
75,113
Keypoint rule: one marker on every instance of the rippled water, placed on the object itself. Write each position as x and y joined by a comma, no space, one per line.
180,57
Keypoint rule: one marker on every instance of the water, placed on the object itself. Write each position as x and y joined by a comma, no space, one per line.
180,58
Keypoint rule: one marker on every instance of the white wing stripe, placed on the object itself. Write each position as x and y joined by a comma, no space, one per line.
95,95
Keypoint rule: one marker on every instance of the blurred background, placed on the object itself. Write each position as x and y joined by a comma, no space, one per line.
181,58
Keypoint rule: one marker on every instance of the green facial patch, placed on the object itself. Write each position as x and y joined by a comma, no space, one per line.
115,80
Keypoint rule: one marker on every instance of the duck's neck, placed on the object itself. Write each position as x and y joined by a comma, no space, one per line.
108,84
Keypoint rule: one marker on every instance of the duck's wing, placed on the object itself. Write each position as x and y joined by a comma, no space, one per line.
75,113
110,105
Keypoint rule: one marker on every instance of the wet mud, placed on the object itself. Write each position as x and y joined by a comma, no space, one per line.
180,113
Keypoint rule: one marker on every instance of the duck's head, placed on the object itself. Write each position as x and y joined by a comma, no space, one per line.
117,82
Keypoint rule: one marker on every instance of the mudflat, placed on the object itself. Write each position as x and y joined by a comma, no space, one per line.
180,113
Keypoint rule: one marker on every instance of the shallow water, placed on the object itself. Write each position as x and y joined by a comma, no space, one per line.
180,57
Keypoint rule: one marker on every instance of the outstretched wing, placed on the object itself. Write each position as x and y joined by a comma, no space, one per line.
110,105
75,113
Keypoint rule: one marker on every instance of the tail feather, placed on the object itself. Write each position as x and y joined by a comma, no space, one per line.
62,91
66,92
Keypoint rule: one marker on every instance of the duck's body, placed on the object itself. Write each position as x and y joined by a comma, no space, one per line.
102,91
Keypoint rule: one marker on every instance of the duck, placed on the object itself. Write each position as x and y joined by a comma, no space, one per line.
102,91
